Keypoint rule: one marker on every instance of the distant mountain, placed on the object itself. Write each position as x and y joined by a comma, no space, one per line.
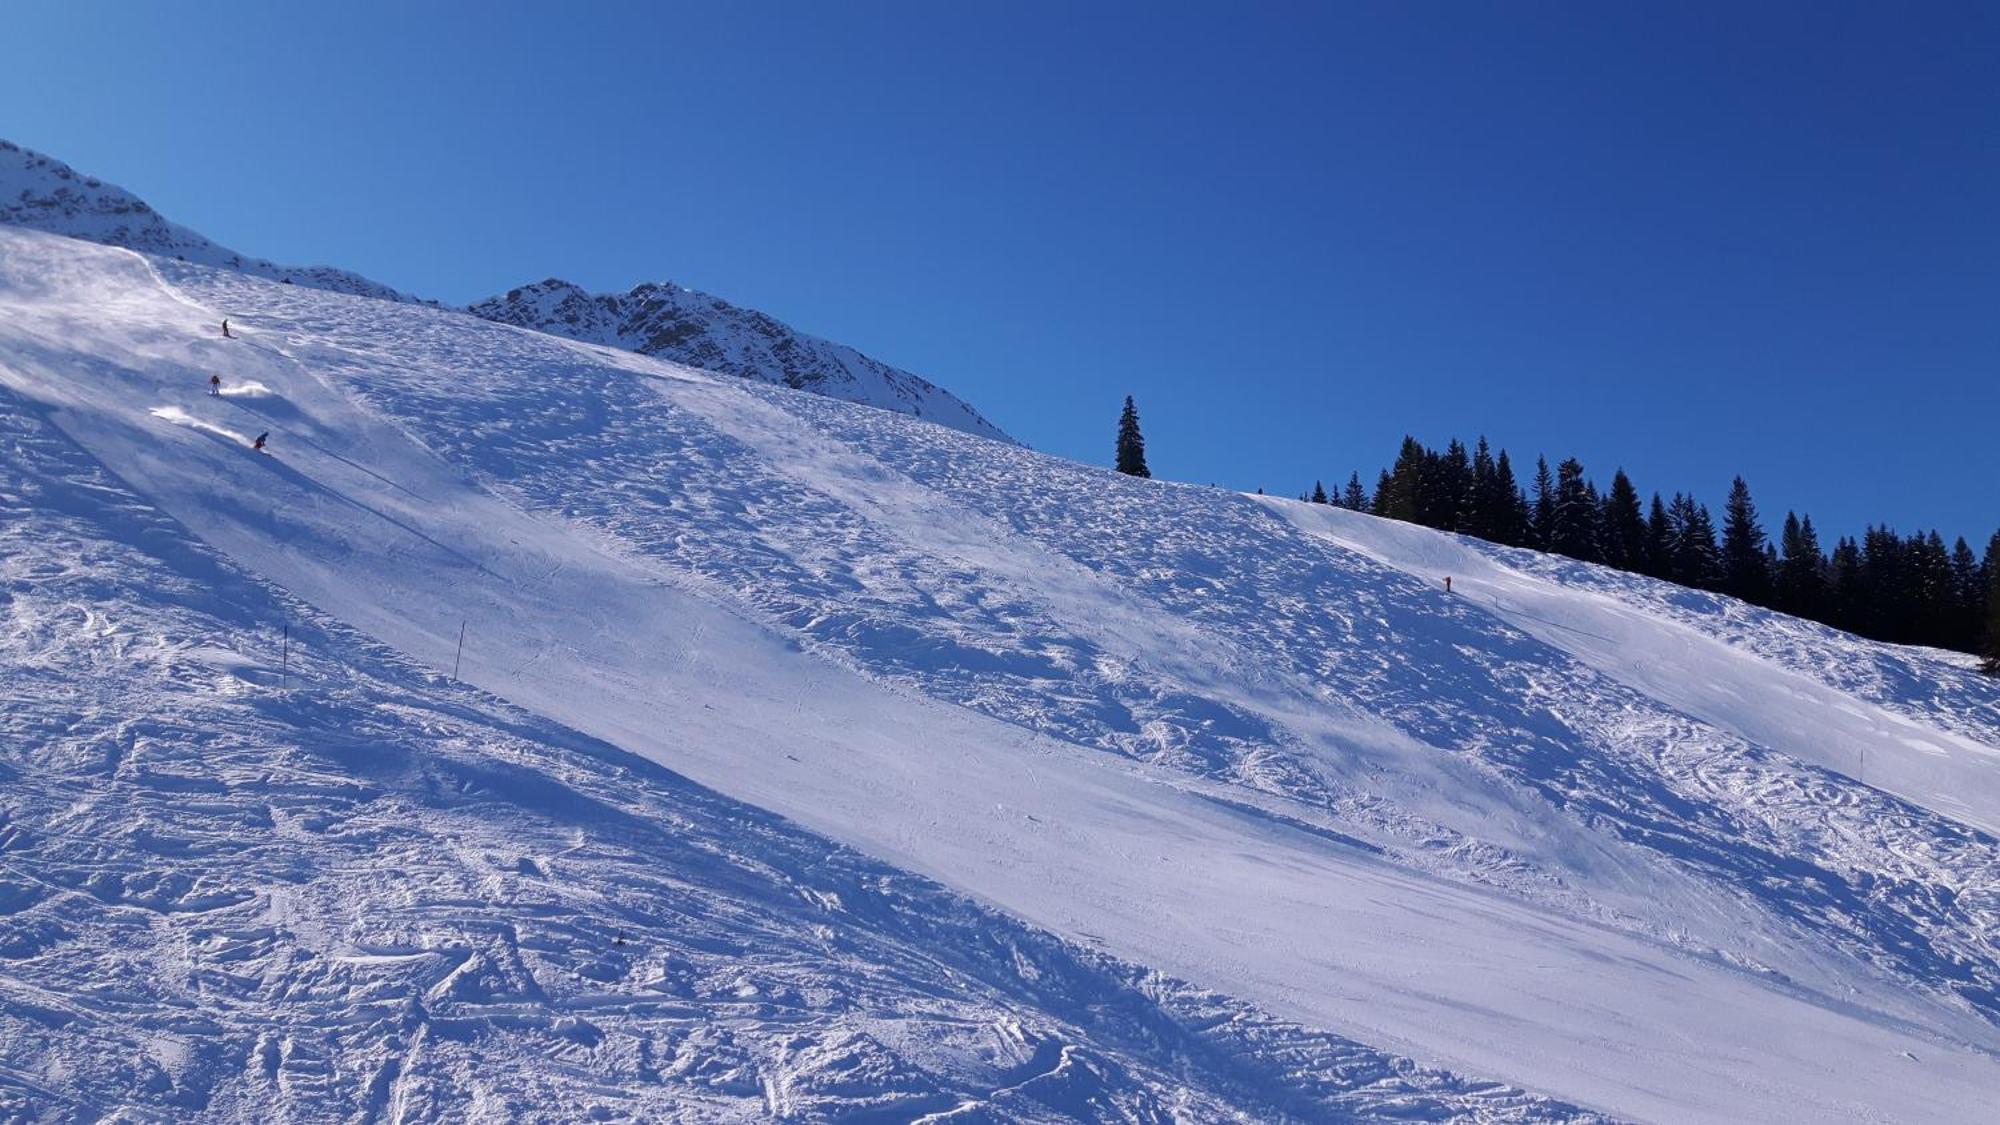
43,193
657,319
687,326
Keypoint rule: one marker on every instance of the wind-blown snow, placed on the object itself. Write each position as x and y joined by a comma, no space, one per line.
1564,829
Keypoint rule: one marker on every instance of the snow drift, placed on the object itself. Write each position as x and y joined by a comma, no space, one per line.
815,760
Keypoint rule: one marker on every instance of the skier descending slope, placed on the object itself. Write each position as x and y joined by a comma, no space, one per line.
214,386
258,445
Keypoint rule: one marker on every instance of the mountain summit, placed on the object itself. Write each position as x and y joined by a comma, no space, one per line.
686,326
657,319
43,193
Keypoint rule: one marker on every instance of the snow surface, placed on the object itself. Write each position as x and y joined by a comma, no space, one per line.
1565,830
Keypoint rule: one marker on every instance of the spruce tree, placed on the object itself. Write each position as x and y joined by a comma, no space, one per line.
1573,517
1511,518
1131,446
1801,582
1991,647
1624,525
1744,572
1659,541
1934,598
1355,497
1846,588
1968,597
1453,499
1696,561
1542,515
1483,508
1405,493
1318,493
1885,587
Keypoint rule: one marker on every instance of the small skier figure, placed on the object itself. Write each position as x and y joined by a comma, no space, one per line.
258,445
225,329
1447,583
214,385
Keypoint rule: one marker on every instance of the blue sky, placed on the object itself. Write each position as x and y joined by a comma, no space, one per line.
1693,240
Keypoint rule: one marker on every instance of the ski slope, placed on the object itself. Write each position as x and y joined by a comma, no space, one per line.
1570,840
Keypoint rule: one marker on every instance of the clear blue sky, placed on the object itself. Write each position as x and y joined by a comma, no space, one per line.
1692,239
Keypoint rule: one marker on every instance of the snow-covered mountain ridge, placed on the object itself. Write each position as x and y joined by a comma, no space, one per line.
1004,741
657,319
679,324
43,193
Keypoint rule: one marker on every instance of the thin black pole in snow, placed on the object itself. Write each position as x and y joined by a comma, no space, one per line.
285,661
461,650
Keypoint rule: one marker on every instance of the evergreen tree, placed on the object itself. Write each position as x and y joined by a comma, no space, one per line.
1542,515
1696,560
1968,597
1356,497
1384,498
1847,590
1885,587
1659,561
1801,582
1933,596
1131,446
1452,498
1319,493
1573,518
1510,525
1403,494
1483,507
1990,649
1744,570
1624,525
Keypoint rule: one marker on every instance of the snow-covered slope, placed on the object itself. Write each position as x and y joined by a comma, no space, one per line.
335,885
45,194
665,320
1565,830
695,329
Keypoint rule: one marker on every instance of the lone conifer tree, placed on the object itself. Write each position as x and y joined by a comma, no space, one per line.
1131,446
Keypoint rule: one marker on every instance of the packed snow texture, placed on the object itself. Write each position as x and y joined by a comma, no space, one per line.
338,886
1636,849
695,329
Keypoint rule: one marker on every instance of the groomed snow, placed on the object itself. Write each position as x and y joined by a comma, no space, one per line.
1564,829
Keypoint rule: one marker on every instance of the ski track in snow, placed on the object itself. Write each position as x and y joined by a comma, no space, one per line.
1571,829
343,888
